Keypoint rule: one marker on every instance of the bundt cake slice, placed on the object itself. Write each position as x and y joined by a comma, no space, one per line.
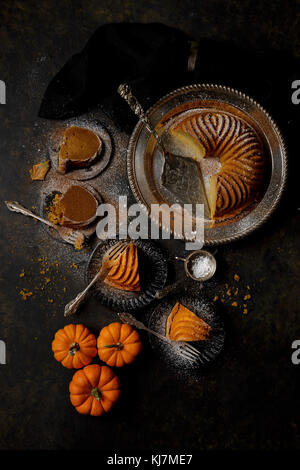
187,145
184,325
124,274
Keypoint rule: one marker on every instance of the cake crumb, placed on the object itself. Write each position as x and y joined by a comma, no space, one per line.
25,294
79,242
234,304
38,172
236,277
216,297
73,265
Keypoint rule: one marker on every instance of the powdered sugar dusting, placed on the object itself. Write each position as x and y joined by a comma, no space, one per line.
208,349
201,266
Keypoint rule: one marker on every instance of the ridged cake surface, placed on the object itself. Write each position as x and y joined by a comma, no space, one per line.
185,325
240,153
124,274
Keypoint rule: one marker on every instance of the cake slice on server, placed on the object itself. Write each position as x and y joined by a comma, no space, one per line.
190,186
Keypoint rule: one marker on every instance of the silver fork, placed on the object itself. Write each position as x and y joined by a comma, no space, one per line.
184,349
67,234
107,262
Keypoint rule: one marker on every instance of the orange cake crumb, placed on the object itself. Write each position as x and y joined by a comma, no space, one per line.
38,172
73,265
79,242
25,294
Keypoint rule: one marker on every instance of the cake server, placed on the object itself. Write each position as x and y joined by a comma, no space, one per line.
181,175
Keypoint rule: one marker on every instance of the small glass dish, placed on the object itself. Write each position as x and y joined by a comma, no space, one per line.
191,264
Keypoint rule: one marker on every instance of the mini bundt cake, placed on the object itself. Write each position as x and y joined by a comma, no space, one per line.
184,325
124,274
76,208
79,149
240,153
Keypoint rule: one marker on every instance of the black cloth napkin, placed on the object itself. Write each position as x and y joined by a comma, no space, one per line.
141,54
153,59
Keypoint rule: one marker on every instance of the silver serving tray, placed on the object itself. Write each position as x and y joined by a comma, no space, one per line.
144,160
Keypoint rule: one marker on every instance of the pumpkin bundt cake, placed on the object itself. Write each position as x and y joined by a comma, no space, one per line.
76,208
79,148
239,151
124,274
184,325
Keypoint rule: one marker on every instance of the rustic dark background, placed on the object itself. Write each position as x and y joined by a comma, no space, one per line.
250,397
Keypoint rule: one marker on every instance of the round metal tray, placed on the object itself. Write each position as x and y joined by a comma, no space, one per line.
144,161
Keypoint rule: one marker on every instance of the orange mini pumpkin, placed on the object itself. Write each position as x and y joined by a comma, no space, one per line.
94,390
74,346
118,344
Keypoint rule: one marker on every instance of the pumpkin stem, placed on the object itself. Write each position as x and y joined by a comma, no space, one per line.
74,347
118,346
96,393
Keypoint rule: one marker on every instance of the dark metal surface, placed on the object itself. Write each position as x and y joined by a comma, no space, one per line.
250,397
